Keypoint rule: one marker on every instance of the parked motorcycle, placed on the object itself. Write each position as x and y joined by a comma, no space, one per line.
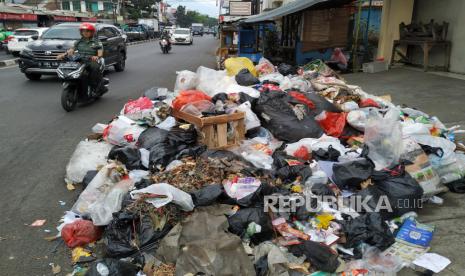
76,86
165,46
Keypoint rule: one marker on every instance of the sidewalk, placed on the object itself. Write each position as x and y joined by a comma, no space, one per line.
442,97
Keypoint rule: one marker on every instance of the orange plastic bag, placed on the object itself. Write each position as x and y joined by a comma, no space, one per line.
80,233
189,96
332,123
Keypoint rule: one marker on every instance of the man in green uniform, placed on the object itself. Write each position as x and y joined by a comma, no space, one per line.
91,49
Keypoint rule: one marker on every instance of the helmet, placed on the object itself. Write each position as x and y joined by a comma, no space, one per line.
87,26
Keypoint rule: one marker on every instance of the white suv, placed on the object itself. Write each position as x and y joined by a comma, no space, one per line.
182,36
23,36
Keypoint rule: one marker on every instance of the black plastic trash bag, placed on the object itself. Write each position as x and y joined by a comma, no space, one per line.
261,266
129,156
151,137
207,195
128,233
285,121
287,69
175,144
350,174
239,222
368,228
401,192
288,168
331,154
114,267
322,190
320,256
321,104
245,78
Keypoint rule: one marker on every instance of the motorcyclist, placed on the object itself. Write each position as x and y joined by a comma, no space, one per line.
91,49
166,35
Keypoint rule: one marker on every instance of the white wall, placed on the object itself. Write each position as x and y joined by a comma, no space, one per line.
452,11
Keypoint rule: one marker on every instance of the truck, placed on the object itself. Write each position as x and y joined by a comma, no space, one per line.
197,29
152,24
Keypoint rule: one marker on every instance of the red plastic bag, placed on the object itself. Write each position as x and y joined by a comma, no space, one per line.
369,103
80,233
301,98
332,123
137,107
189,96
302,153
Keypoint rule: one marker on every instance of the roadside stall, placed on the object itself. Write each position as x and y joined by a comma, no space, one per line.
251,40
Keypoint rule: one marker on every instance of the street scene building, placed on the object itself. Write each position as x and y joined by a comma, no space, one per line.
232,137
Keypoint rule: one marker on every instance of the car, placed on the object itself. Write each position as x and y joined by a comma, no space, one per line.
149,30
182,36
21,37
39,57
123,34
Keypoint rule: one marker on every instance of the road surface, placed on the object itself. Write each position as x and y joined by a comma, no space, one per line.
38,137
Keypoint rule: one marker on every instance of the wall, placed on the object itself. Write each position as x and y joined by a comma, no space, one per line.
452,11
394,12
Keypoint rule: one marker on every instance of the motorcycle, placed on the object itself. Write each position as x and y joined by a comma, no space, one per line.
165,46
76,87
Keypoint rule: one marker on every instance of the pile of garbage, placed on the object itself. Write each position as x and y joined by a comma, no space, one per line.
327,179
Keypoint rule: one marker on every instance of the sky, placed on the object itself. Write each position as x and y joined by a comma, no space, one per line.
202,6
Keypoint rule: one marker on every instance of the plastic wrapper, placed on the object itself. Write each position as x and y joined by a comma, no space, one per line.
209,80
122,132
87,156
421,169
161,194
383,136
258,152
80,232
235,64
189,96
241,187
138,109
185,80
107,203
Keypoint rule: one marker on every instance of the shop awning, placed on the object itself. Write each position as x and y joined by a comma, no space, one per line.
290,8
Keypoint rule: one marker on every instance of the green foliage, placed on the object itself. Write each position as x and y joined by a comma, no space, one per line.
185,19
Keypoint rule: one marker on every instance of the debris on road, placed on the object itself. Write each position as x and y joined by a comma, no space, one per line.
259,170
38,223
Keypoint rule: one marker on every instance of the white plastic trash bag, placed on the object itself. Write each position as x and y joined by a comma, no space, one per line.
251,119
100,185
169,193
314,144
209,80
236,88
87,156
273,77
122,132
101,211
185,80
383,136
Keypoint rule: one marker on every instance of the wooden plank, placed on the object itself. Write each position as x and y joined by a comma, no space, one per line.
209,136
222,134
221,119
187,117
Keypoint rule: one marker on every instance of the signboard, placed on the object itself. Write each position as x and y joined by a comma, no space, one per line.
18,17
240,8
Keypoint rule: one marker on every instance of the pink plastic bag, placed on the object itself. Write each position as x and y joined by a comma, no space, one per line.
138,109
80,233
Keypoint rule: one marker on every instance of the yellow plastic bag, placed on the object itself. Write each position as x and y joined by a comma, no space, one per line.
236,64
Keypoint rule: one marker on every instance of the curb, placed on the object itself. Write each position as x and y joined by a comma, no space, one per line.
9,62
141,41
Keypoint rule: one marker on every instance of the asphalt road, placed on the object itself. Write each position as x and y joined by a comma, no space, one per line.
37,138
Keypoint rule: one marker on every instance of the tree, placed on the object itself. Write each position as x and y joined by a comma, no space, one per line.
185,19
